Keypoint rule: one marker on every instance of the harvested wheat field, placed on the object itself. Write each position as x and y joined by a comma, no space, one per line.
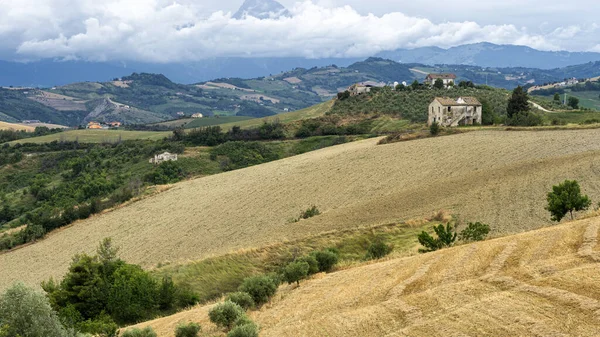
15,127
497,177
541,283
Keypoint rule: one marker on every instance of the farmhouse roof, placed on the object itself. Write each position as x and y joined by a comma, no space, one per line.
441,76
461,101
371,84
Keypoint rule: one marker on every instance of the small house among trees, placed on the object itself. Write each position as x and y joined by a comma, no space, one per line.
364,87
445,78
159,158
454,112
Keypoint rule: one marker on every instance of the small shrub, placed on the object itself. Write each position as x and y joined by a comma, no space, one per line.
261,288
296,271
446,237
434,129
242,299
378,249
313,264
326,259
135,332
309,213
474,232
187,330
246,330
225,314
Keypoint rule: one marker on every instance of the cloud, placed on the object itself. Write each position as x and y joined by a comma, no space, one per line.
165,31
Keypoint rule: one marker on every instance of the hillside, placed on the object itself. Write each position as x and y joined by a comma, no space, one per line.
16,127
500,178
143,98
540,283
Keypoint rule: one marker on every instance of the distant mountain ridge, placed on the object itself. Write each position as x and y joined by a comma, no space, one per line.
47,73
491,55
261,9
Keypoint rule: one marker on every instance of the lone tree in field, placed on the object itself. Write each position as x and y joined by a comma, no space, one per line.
573,102
445,238
557,97
519,102
566,198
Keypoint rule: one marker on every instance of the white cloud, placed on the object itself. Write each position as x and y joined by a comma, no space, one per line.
169,31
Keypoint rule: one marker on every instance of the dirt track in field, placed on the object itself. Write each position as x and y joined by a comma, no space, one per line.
497,177
541,283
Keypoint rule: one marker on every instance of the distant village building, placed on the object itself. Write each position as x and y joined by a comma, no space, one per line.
197,115
450,112
114,124
364,87
30,121
159,158
94,125
180,113
446,78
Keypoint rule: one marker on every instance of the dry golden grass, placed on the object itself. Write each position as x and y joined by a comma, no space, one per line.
500,178
16,127
541,283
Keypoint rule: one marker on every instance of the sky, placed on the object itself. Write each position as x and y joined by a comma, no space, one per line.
170,31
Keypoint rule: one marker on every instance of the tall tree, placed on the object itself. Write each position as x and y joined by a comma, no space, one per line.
439,84
518,103
573,102
566,198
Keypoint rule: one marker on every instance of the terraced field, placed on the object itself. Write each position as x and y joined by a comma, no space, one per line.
541,283
497,177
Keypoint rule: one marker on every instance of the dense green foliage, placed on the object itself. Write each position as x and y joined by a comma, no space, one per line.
27,313
187,330
573,102
244,330
332,125
225,314
135,332
378,249
445,238
475,231
103,284
261,288
412,104
566,198
434,129
242,299
327,259
70,181
167,172
309,213
518,102
313,264
236,155
296,271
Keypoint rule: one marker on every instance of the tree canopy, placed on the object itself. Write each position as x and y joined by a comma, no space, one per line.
566,198
518,103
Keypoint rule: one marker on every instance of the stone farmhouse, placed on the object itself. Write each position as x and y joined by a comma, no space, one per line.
159,158
450,112
446,78
364,87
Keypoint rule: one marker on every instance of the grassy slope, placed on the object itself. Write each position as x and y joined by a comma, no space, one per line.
96,136
311,112
500,178
541,283
17,127
211,121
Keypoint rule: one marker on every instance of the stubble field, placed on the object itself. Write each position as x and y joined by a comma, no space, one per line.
500,178
541,283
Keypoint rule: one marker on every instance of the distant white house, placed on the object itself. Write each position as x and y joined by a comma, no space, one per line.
446,78
197,115
166,156
364,87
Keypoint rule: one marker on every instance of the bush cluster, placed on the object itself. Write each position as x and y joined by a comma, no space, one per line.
238,154
214,135
102,288
378,249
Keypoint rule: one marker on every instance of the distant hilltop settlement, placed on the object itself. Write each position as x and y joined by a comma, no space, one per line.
99,125
443,80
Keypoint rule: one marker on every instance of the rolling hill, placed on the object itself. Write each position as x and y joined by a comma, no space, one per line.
540,283
497,177
143,98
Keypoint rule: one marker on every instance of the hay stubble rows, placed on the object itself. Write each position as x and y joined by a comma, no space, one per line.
496,177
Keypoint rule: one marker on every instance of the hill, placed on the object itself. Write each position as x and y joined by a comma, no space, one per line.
491,55
540,283
143,98
500,178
